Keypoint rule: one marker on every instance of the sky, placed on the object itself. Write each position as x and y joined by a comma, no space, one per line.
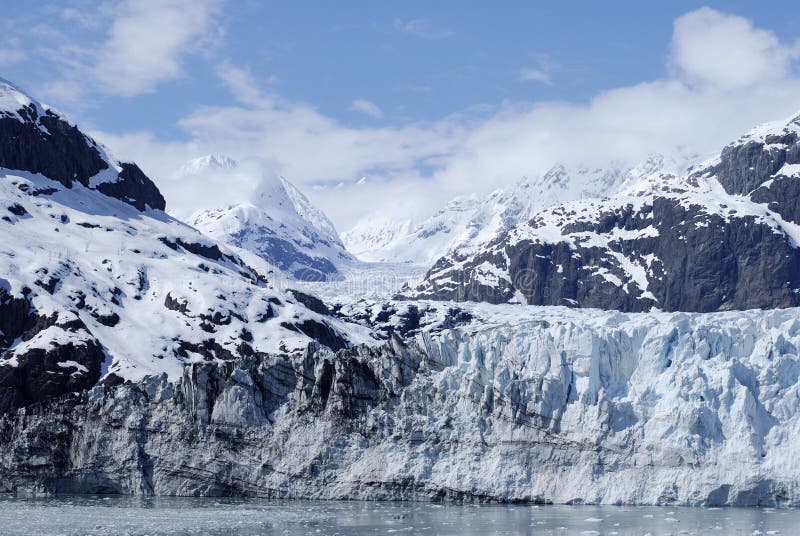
422,100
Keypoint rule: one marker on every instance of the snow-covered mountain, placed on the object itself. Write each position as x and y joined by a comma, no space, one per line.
468,222
139,356
720,236
279,224
96,281
205,164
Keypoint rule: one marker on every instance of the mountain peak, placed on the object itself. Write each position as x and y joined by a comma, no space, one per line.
209,162
36,139
13,99
280,225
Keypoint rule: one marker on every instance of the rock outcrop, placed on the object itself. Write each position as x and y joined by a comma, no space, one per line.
38,140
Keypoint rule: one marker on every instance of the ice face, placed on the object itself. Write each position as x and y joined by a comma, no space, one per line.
522,404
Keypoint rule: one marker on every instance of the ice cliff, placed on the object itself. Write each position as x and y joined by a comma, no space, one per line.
561,406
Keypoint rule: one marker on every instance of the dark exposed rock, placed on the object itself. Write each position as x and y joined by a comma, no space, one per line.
15,317
312,302
733,264
134,187
42,374
318,331
110,320
209,251
40,141
61,153
17,209
34,375
403,319
173,304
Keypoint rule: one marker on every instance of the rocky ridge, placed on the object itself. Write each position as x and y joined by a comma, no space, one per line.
718,237
36,139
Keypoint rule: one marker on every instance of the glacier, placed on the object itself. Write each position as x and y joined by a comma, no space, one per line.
534,404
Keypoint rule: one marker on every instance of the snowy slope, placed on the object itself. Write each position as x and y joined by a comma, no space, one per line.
468,222
96,282
152,291
279,224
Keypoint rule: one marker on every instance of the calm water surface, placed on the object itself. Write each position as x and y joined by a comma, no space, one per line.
154,516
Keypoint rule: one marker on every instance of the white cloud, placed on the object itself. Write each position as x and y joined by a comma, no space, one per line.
414,168
240,83
10,56
535,75
369,108
117,47
147,42
422,28
11,52
83,18
710,47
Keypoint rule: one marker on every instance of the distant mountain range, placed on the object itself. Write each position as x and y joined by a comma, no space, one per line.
466,223
719,236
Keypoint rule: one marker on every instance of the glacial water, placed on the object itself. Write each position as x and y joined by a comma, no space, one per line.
175,516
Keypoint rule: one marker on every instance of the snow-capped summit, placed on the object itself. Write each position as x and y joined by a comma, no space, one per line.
13,100
280,225
210,162
467,222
